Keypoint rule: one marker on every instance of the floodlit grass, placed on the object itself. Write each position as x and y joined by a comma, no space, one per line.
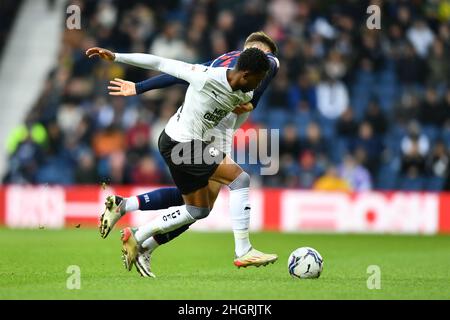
199,266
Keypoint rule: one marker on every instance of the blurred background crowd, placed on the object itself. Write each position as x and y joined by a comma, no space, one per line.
357,109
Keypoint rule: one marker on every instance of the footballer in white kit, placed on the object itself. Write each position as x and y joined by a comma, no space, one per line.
213,93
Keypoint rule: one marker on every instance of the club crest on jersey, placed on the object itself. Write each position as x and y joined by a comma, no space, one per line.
213,152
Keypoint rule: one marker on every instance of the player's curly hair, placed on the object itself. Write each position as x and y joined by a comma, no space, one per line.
253,60
261,36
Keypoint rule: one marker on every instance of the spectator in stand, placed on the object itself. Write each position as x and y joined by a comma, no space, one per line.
347,127
278,91
86,172
118,168
108,141
376,118
421,37
302,95
169,44
355,174
413,162
25,162
316,144
331,181
371,56
146,172
309,170
138,141
407,109
332,97
411,69
438,162
289,142
415,139
197,44
370,144
291,50
447,109
432,110
438,66
335,66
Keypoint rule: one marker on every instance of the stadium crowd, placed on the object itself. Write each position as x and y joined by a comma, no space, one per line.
357,109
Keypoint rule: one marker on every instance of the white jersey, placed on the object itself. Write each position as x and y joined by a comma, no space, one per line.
205,106
225,131
208,100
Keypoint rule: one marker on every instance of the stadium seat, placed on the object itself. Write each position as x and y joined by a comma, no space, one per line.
50,173
431,132
386,178
434,184
445,136
277,118
302,120
411,184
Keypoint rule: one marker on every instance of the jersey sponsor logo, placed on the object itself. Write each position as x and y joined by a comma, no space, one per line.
172,215
216,116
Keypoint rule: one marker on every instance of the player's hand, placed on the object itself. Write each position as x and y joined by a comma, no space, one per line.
243,108
102,53
121,87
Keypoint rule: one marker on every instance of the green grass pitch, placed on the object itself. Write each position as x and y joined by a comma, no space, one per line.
199,266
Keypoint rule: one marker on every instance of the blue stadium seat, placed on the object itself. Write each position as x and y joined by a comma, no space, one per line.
431,132
412,184
359,99
277,118
445,136
302,120
434,184
327,126
365,78
339,148
51,172
386,178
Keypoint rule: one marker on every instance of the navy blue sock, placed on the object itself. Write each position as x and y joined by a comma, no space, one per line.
160,199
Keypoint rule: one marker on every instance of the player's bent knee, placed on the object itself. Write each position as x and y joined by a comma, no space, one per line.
242,181
197,212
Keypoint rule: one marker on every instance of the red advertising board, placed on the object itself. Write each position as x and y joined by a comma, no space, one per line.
272,209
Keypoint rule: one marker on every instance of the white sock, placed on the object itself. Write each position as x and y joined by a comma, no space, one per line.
132,204
170,219
240,220
150,244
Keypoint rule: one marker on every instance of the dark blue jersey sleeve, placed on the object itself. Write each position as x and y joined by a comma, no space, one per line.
274,65
161,81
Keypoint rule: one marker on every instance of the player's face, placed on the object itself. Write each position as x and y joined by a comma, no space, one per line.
250,80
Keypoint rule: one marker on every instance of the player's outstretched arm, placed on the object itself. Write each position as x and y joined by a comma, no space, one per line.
158,82
182,70
161,81
126,88
101,52
119,87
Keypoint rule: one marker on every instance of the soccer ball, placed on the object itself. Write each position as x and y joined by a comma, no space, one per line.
305,263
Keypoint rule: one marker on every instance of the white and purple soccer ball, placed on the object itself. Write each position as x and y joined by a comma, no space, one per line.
305,263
